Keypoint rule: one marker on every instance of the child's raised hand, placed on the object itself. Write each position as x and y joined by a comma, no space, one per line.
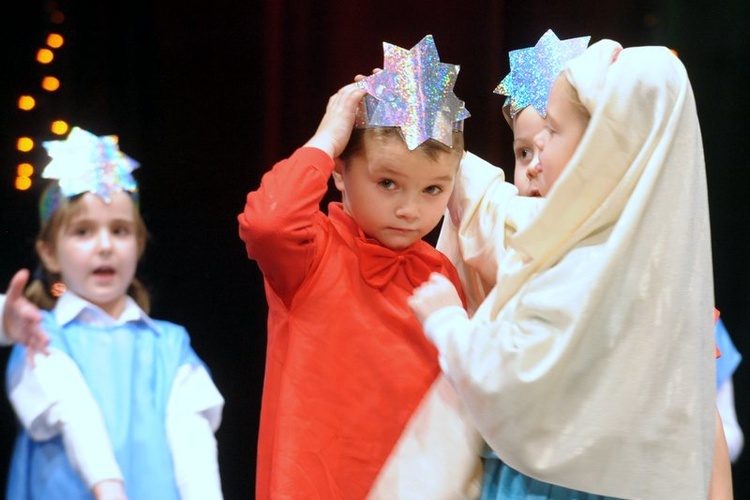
21,318
336,126
435,293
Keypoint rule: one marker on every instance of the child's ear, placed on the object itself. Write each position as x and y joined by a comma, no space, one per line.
338,178
48,257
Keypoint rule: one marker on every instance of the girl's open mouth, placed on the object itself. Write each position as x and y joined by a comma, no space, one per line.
104,271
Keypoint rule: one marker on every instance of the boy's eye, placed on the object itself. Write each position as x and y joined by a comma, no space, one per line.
121,231
387,184
433,190
524,155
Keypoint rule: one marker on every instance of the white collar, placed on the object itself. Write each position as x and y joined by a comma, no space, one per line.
71,306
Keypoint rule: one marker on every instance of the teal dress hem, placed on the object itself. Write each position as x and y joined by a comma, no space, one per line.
501,482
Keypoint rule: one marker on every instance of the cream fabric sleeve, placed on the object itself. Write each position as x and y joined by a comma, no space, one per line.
483,212
51,399
194,413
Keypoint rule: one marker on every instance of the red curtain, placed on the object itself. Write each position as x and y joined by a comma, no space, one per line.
312,48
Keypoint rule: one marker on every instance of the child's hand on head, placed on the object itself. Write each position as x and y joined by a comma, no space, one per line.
21,318
336,126
435,293
359,78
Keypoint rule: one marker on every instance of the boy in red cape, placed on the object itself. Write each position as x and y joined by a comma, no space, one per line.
354,405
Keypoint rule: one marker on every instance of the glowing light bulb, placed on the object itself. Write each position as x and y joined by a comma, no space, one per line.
55,40
26,103
45,56
25,144
23,183
50,83
25,170
59,127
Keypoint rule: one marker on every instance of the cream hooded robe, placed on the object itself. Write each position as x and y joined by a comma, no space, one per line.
590,363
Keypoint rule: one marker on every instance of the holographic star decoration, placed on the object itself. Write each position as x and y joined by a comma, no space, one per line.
533,70
414,92
87,163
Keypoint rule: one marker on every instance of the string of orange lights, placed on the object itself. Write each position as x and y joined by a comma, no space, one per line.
27,102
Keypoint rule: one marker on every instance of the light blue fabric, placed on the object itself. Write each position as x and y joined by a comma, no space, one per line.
730,358
130,370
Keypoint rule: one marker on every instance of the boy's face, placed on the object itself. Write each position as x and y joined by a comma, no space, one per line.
526,125
559,140
397,196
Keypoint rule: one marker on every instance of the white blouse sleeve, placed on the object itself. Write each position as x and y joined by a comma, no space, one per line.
52,398
732,430
194,413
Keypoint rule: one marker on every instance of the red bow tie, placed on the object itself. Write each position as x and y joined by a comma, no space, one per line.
380,265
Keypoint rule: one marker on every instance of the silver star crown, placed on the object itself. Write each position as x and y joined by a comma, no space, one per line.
415,93
87,163
533,70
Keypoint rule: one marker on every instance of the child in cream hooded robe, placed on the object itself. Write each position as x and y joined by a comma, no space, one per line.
591,363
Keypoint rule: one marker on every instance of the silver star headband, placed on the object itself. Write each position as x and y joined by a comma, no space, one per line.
86,163
533,70
414,92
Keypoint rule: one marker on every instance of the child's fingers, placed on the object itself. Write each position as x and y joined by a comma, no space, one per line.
22,320
345,103
435,293
440,280
361,77
17,284
28,312
37,344
437,284
30,357
335,128
347,97
432,284
351,94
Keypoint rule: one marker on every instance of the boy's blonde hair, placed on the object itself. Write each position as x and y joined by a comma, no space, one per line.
39,290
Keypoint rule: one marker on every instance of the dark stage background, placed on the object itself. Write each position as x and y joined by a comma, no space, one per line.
206,96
